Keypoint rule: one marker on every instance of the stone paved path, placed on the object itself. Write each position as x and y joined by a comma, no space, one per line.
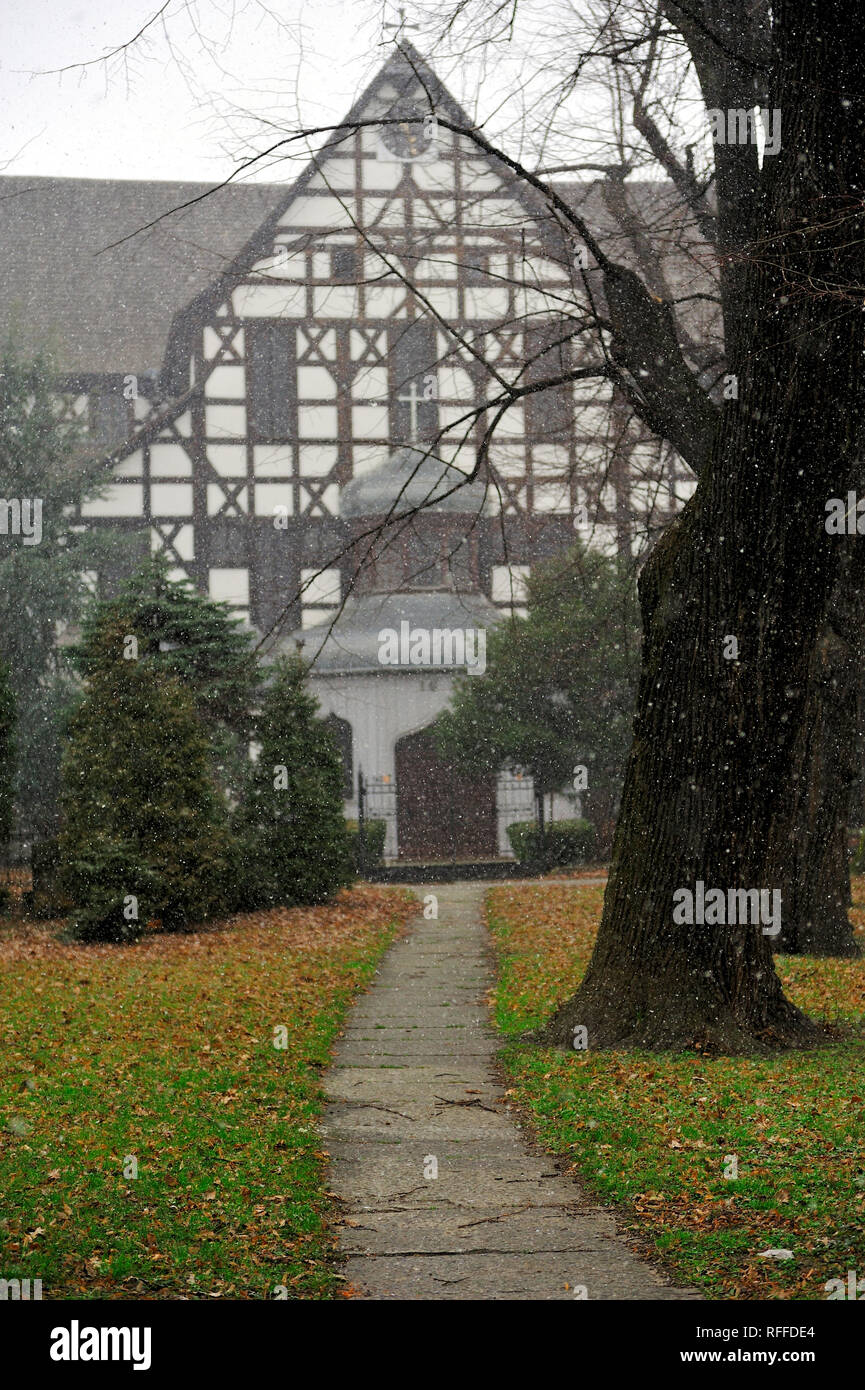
413,1082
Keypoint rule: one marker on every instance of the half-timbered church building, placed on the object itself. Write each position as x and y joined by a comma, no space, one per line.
293,384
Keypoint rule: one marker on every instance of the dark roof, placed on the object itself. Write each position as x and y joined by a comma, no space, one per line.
416,479
354,643
112,312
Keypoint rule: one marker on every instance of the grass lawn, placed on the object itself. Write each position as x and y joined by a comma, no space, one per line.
164,1051
649,1133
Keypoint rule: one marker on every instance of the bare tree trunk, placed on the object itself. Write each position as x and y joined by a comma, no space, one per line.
737,595
809,851
600,810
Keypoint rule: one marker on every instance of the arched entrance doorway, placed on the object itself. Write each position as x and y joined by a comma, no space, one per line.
342,736
441,813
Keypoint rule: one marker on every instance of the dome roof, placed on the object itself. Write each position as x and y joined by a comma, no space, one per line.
414,478
352,644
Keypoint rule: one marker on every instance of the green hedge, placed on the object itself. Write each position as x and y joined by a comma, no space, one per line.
45,900
44,859
375,832
563,843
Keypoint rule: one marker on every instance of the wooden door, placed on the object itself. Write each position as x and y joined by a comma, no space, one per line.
442,814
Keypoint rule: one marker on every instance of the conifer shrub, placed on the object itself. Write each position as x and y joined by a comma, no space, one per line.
7,774
190,636
375,834
295,844
562,843
7,757
145,831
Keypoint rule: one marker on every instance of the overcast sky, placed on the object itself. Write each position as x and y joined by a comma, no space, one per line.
169,107
212,81
194,93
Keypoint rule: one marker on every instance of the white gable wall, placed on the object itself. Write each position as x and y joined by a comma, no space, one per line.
414,224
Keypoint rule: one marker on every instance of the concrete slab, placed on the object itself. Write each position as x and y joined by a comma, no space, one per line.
494,1275
414,1081
513,1231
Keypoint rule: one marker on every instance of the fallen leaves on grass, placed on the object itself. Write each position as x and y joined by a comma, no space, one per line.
163,1052
654,1133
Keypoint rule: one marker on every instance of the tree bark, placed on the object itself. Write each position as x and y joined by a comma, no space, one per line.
809,855
711,786
600,810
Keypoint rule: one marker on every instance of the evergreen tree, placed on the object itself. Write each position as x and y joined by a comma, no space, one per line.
558,692
190,637
46,469
145,832
294,834
7,765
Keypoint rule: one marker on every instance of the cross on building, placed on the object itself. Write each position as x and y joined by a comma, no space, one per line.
402,24
412,399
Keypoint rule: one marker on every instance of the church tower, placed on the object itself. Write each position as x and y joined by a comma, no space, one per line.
385,666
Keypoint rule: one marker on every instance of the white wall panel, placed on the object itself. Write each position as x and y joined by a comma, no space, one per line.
444,213
229,585
552,497
455,383
433,175
316,422
368,457
225,420
369,421
128,468
684,488
445,301
171,499
510,462
477,174
280,264
315,382
169,461
322,587
272,460
212,342
184,542
329,499
381,173
120,499
323,211
269,496
370,383
603,538
486,303
226,381
509,583
548,456
335,302
336,172
270,301
229,460
383,300
317,459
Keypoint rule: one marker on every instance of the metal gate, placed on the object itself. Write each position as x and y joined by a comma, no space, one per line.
376,800
515,801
